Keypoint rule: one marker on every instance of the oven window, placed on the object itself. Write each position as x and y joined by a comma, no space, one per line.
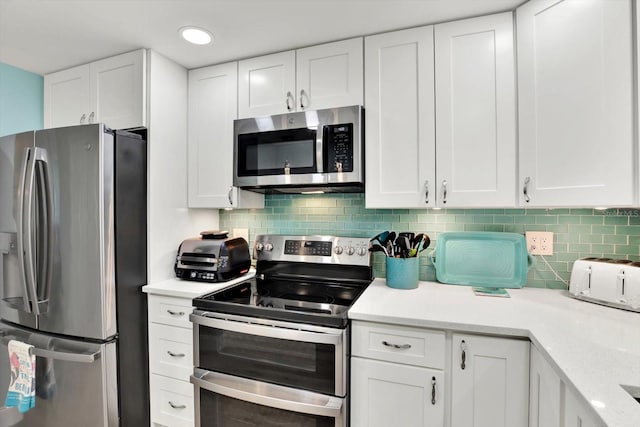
268,153
304,365
220,411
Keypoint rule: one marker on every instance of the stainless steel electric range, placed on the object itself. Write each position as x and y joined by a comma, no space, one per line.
274,350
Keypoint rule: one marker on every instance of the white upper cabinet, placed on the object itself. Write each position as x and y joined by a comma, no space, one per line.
489,382
111,91
67,97
400,124
323,76
213,106
575,91
329,75
475,112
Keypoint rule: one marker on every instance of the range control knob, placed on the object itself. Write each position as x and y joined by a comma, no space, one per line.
338,250
351,250
362,251
259,246
268,247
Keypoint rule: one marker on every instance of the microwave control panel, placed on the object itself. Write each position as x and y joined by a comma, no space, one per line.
338,143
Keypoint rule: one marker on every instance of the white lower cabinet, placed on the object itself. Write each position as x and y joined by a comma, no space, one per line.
576,413
407,376
545,391
390,394
170,361
552,402
489,381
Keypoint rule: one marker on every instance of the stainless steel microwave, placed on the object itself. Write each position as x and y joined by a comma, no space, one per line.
311,151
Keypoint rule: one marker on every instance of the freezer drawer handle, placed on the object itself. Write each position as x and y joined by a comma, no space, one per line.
57,355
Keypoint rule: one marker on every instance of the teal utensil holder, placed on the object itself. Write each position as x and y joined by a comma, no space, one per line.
402,273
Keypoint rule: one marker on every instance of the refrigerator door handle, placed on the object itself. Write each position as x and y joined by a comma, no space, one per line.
65,356
45,232
24,215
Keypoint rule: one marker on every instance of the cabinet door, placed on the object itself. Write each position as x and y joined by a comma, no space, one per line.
489,382
575,96
266,85
400,154
475,112
67,99
544,393
329,75
576,413
389,394
118,85
213,107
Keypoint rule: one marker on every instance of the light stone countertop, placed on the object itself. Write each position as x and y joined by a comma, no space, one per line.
187,289
592,347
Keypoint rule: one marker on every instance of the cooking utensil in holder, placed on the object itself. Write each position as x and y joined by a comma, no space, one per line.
402,273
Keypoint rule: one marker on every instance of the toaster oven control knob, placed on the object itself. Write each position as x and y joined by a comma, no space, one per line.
362,251
351,250
338,250
259,246
268,247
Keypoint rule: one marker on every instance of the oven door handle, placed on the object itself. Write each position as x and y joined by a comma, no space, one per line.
269,331
271,395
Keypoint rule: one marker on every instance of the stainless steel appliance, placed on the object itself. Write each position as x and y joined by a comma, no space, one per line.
606,281
72,264
274,350
212,257
321,150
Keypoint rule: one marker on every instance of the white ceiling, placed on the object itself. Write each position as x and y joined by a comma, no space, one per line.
43,36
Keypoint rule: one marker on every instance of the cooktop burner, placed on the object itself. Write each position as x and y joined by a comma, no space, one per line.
296,281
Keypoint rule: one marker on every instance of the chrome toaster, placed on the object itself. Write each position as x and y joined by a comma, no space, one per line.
606,281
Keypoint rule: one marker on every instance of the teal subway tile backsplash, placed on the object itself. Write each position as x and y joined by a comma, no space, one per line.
578,233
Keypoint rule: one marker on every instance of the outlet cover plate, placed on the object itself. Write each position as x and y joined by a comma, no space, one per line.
539,242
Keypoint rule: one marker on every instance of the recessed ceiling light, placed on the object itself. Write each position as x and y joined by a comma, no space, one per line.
196,35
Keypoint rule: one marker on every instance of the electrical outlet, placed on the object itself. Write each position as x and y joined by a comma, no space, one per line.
242,232
539,242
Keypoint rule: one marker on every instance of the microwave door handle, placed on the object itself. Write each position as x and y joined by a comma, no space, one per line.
319,148
45,230
265,394
25,253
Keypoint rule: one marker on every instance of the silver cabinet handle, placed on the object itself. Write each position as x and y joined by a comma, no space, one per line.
83,118
230,194
444,191
287,101
463,347
174,406
525,190
433,390
172,354
175,313
91,116
426,192
301,95
399,346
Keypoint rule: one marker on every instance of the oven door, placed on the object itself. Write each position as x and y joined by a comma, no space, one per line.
224,400
303,356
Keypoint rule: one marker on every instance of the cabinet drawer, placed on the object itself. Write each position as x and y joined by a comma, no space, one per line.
413,346
171,402
170,311
170,351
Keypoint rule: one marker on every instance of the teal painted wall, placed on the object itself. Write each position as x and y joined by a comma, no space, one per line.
21,100
613,233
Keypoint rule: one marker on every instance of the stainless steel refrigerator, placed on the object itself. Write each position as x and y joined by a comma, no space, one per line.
72,264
